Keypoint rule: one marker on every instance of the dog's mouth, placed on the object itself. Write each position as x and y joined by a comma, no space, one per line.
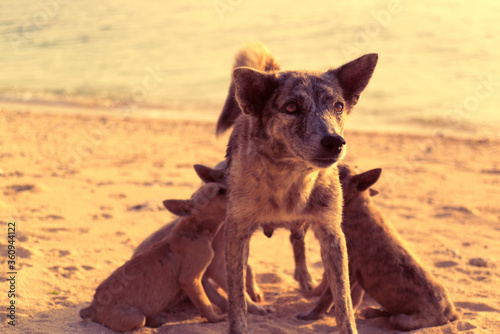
324,162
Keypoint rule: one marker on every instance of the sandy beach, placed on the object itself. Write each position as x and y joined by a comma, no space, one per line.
85,188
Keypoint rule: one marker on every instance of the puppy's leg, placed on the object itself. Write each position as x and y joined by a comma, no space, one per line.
196,293
357,294
213,295
408,322
374,312
237,247
334,256
253,289
123,318
198,257
220,277
299,254
318,291
323,304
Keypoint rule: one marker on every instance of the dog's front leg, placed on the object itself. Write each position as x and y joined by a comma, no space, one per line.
334,256
237,246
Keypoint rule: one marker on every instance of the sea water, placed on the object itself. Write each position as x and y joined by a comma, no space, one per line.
438,64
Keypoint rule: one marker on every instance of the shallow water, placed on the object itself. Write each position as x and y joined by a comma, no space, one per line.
438,67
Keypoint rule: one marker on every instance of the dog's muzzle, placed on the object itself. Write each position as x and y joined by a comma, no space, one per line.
331,149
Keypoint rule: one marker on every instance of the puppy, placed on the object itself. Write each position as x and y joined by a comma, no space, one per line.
216,271
158,276
381,264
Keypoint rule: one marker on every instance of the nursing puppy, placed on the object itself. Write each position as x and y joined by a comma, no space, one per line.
157,277
381,264
216,271
282,168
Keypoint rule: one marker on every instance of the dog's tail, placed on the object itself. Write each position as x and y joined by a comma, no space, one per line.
254,55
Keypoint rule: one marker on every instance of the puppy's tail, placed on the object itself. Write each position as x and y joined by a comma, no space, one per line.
254,55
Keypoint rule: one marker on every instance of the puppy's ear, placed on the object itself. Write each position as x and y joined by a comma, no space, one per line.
179,207
209,175
355,75
367,179
253,89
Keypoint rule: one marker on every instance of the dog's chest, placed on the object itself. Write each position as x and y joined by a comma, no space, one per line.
268,197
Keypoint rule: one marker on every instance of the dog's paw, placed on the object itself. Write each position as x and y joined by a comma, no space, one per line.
304,279
308,316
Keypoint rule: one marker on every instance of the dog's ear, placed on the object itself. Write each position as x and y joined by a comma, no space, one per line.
178,207
209,175
253,89
355,75
367,179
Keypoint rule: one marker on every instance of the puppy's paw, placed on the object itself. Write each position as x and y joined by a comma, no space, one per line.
260,309
308,316
372,312
217,318
256,294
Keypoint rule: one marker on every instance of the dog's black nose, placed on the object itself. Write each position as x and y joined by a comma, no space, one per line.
332,143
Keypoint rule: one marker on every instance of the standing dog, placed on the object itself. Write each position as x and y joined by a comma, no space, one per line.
381,264
282,171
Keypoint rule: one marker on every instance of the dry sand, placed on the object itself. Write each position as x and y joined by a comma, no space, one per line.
85,190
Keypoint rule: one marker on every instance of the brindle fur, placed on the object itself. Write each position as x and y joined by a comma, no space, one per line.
158,277
381,264
282,169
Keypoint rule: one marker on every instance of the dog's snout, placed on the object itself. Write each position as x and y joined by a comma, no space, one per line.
332,143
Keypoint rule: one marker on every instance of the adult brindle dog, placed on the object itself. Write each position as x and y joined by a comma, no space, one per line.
282,165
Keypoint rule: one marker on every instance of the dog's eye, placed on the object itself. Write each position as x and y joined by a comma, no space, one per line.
338,107
221,191
291,108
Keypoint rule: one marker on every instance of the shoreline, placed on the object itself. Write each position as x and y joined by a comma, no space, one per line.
190,115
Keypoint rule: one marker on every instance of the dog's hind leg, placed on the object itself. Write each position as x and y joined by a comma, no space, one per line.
334,256
301,273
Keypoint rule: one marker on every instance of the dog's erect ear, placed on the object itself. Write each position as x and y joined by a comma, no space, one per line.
373,192
179,207
355,75
367,179
253,89
209,175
